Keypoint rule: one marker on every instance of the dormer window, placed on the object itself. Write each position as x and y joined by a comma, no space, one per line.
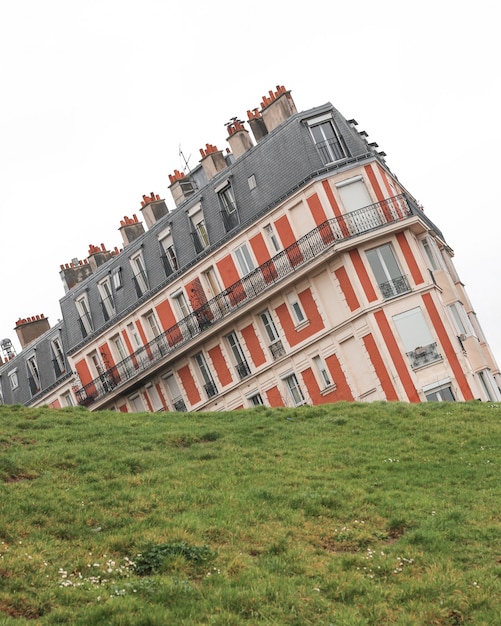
328,141
140,278
84,317
107,302
199,230
228,206
168,253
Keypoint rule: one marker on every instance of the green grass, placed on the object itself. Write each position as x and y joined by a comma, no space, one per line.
344,515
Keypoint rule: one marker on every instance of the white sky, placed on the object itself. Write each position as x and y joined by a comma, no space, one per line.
97,97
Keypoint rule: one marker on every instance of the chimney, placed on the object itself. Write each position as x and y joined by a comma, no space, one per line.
212,160
98,256
181,187
277,107
131,229
257,125
31,328
74,273
238,137
153,208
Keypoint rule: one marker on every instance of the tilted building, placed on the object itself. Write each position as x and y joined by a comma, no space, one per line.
295,268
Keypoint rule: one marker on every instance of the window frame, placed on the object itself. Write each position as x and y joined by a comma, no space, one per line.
140,276
398,284
84,315
107,299
325,145
323,372
245,261
292,385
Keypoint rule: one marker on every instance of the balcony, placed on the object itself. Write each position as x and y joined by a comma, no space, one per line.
243,370
210,389
241,293
394,287
277,349
423,355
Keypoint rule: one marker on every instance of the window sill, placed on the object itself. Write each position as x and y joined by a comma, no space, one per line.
302,325
327,390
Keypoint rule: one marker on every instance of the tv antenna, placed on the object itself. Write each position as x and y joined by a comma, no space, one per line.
185,161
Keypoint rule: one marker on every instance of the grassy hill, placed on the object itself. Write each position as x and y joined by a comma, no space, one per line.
344,514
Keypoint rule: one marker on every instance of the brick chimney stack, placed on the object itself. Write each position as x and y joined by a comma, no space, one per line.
277,107
181,187
74,273
257,125
98,255
153,208
238,137
212,160
31,328
130,229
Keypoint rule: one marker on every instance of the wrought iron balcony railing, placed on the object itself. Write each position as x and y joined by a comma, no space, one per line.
394,287
277,349
263,278
423,355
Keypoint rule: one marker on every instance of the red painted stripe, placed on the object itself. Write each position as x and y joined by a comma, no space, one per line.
347,288
274,397
363,276
374,182
288,240
410,258
189,384
219,362
331,198
252,342
450,353
316,208
379,366
230,277
263,257
396,356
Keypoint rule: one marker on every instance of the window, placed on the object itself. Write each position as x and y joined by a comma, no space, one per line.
199,231
153,325
488,385
276,347
107,302
418,341
295,393
269,326
57,357
155,400
174,392
96,363
327,140
68,399
84,319
169,258
255,399
298,314
13,379
139,278
354,194
186,321
116,278
137,403
252,182
33,374
432,253
387,272
271,236
461,320
119,348
244,259
440,391
208,381
239,359
134,334
322,371
228,207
